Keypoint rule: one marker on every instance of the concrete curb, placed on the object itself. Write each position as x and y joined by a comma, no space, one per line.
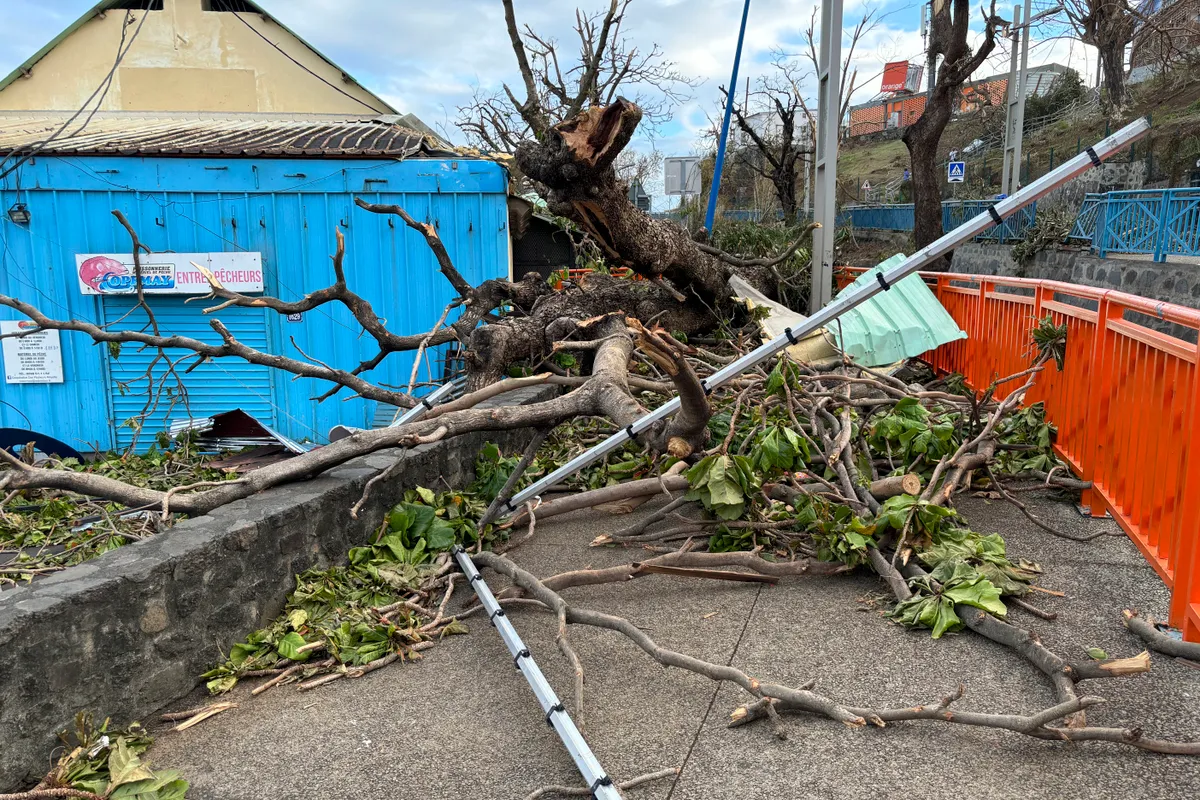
130,631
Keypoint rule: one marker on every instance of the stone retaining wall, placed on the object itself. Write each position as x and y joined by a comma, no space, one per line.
130,631
1172,282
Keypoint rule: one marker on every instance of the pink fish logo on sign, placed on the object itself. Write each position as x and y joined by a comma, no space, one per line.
98,271
106,275
168,272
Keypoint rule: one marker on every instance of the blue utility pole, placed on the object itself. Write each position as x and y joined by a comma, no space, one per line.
715,188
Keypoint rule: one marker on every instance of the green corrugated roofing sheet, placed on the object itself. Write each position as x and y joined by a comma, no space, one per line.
900,323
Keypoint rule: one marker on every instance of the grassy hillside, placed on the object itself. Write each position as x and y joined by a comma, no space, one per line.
1172,102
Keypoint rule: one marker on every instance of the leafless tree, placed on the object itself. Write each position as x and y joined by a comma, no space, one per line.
559,86
1164,37
641,167
949,35
775,129
1107,25
778,120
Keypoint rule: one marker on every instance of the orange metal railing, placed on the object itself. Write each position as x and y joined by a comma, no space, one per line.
1126,404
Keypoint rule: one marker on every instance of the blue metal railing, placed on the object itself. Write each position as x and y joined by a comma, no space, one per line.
1013,229
899,217
1159,222
1085,223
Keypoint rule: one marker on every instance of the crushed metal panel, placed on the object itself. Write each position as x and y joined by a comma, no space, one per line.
901,323
231,430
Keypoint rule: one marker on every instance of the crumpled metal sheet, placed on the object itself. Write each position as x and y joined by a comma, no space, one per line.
903,322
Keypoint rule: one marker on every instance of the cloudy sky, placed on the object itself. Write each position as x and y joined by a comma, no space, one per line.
426,58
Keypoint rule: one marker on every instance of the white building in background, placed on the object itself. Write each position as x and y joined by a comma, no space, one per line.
767,126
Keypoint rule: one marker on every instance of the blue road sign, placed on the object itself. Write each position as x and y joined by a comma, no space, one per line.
956,171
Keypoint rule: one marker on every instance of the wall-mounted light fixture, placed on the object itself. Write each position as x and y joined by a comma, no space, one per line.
19,214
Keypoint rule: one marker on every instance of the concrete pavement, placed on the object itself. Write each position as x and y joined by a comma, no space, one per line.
463,724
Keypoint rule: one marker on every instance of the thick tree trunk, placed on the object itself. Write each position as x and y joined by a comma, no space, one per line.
1112,66
573,164
909,483
785,190
922,140
496,346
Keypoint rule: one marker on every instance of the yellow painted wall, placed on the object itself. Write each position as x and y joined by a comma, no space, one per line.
187,59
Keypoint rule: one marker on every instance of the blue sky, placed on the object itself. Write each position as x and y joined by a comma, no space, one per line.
426,58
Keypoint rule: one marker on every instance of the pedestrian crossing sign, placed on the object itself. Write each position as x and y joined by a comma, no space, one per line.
956,171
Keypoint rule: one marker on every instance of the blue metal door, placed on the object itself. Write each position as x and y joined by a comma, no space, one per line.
216,385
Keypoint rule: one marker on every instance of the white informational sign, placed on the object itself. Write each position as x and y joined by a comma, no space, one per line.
681,175
36,358
956,171
168,273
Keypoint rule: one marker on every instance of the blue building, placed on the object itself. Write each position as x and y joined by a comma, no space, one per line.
260,199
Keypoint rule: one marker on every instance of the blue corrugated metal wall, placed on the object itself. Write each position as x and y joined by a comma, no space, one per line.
209,387
287,210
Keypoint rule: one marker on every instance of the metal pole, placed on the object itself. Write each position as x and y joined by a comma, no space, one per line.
1019,123
930,57
1010,135
423,405
848,300
426,403
828,123
556,716
715,187
808,186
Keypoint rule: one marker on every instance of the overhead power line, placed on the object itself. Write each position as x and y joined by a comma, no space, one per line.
337,89
101,90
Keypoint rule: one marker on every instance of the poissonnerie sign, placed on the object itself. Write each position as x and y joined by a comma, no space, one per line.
168,273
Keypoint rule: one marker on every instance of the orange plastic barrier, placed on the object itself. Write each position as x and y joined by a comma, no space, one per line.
1126,404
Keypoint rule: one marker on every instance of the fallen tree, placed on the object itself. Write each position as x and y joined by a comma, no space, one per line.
806,473
790,471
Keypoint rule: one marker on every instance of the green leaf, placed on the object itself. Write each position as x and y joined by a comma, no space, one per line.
422,518
398,519
222,684
1097,654
288,647
296,618
967,586
440,536
165,785
242,652
426,495
944,618
124,766
775,380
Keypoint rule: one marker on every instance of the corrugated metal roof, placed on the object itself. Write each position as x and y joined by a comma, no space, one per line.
241,135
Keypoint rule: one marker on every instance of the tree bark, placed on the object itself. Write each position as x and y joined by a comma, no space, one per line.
884,488
922,139
949,33
573,163
554,316
1112,66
